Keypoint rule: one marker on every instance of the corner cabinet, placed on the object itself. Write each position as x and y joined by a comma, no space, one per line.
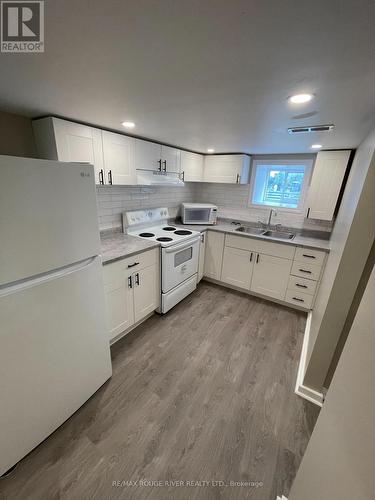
229,169
192,166
213,254
132,291
67,141
326,182
202,252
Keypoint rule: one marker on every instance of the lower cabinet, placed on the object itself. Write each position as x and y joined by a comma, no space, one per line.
119,305
131,294
202,251
237,267
146,292
271,276
213,254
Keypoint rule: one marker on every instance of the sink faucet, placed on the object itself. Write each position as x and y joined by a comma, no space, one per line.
270,217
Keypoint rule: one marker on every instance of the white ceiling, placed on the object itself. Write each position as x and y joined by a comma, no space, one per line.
204,73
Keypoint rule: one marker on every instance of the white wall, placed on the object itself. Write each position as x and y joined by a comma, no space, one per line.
351,241
339,460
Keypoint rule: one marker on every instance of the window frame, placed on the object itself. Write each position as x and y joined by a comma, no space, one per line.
308,162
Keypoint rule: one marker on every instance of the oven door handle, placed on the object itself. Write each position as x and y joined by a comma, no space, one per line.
181,246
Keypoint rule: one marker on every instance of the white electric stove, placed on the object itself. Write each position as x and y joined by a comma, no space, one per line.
179,252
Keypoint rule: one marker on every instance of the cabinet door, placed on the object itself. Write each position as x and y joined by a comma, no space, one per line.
146,292
270,276
230,169
202,249
237,267
171,158
147,155
119,305
192,166
329,171
79,143
118,152
214,254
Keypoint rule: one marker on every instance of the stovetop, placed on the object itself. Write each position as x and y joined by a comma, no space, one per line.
166,235
138,224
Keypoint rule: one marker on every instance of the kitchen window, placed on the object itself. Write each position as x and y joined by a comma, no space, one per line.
280,183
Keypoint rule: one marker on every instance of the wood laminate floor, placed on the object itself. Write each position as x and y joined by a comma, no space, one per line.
204,393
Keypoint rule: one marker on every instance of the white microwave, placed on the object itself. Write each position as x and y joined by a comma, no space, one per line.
199,213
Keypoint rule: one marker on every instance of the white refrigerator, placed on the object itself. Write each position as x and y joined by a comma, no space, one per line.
54,348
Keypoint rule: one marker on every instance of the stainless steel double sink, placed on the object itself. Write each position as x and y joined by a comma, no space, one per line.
268,233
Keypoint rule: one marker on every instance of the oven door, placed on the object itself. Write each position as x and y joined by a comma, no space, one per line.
179,262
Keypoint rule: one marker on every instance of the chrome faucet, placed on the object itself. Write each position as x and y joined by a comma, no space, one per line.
270,217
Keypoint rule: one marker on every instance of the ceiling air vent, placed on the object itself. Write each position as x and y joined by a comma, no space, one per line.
310,129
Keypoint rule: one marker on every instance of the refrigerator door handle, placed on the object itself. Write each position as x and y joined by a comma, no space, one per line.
38,279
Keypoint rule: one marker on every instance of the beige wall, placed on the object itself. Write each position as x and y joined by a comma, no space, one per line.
16,135
340,457
351,241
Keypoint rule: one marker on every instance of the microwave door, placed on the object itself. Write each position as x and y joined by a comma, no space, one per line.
197,215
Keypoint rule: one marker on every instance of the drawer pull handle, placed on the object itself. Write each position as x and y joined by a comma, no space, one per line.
251,256
305,271
299,300
257,258
308,256
301,286
132,265
130,282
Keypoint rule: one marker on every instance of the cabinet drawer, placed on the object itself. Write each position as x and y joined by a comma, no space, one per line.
114,270
260,246
315,257
299,298
302,285
306,270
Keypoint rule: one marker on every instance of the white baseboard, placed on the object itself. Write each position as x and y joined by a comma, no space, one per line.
303,390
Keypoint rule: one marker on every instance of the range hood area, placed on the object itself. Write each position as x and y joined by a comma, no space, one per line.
147,177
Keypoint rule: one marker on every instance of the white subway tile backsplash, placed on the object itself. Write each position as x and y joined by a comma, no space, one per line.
232,201
114,200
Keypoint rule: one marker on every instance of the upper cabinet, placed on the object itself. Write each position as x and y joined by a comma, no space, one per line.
229,169
171,159
326,182
111,154
153,156
119,158
62,140
192,166
147,155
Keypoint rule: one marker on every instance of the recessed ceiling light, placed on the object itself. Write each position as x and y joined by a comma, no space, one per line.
210,150
128,124
300,98
316,146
